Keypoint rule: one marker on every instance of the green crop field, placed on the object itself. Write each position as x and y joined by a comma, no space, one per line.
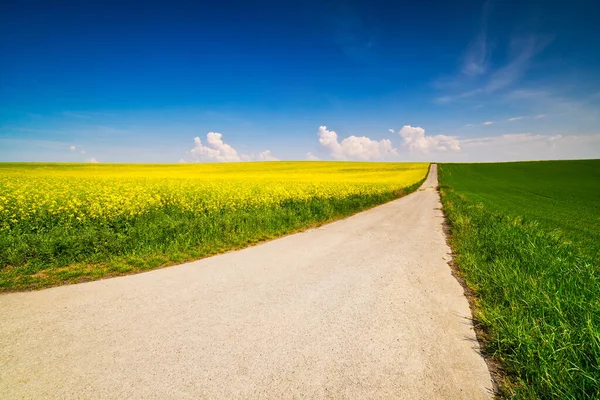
527,242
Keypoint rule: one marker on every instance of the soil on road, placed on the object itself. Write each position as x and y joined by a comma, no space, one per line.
364,307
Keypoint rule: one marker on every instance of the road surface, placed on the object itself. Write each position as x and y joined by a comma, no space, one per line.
364,307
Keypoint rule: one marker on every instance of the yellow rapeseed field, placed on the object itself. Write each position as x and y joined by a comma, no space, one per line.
80,193
56,215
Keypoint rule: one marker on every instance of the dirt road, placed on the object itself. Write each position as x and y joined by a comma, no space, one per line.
361,308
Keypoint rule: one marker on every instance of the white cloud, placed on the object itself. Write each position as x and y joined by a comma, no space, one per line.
217,150
74,114
86,114
521,52
72,148
510,147
391,130
82,151
311,157
529,146
469,125
515,118
476,57
547,102
416,141
488,122
266,156
355,148
182,161
92,160
553,139
443,99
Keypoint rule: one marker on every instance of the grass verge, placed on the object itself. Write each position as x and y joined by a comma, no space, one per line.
536,284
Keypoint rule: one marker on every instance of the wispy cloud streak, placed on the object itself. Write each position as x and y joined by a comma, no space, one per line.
477,75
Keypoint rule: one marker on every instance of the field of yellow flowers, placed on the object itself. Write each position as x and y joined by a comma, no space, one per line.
73,222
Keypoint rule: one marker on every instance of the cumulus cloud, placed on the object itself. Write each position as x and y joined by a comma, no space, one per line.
390,130
416,141
266,156
72,148
182,161
488,122
217,150
354,147
92,160
311,157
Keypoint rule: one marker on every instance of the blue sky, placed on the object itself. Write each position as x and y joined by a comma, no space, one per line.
395,81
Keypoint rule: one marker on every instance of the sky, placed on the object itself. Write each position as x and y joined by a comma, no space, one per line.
168,82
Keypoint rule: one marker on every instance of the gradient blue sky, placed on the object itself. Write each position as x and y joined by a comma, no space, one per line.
453,80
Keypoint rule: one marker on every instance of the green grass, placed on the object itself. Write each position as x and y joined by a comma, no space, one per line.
527,242
57,254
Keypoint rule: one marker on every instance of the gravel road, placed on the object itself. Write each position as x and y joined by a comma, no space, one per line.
364,307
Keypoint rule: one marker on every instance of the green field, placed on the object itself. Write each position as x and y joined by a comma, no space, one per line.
527,242
66,223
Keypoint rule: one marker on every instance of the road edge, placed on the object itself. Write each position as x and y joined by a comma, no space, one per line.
494,367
